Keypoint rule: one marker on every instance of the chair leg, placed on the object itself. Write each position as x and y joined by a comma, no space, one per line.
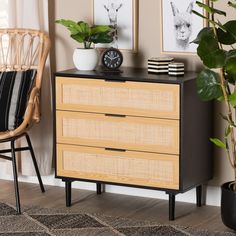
35,163
15,177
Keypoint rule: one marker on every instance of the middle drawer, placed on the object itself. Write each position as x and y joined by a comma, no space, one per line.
130,133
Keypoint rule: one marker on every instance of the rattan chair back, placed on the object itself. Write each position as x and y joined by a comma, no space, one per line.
23,49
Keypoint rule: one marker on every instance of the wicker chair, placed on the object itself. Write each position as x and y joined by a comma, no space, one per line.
20,50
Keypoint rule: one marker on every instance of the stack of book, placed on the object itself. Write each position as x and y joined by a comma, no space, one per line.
159,65
176,69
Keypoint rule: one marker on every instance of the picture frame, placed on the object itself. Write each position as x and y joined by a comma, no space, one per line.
123,16
179,26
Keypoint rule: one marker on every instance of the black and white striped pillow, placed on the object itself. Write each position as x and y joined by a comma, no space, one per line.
15,87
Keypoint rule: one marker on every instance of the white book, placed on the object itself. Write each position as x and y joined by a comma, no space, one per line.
176,69
161,59
176,73
158,71
158,63
177,64
157,67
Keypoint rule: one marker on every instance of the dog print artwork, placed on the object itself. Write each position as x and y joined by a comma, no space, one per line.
180,26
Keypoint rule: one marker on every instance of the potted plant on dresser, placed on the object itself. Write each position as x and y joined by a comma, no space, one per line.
217,81
87,58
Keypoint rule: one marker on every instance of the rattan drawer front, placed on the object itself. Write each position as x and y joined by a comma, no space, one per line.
131,133
135,168
129,98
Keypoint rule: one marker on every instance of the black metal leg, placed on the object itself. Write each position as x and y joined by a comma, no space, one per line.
15,177
171,206
99,188
68,193
199,195
35,163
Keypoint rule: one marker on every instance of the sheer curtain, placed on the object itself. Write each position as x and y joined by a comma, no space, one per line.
34,14
3,24
3,14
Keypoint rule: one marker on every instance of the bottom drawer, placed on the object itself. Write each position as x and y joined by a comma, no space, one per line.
134,168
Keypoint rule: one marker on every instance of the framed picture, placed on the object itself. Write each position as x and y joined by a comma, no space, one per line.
122,15
180,26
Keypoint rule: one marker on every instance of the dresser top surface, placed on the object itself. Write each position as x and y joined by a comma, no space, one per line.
128,74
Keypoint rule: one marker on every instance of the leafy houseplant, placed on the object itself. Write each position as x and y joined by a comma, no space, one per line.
88,35
82,32
217,81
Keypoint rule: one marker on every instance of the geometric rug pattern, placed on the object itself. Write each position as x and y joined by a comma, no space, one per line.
37,221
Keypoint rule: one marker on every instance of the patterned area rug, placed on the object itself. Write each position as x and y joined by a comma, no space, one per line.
44,222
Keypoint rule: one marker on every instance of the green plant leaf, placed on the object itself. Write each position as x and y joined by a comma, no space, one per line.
82,32
103,37
220,99
232,4
232,99
78,37
228,130
218,143
72,26
225,37
208,39
209,9
231,53
85,29
208,49
230,79
100,28
228,36
208,85
200,15
212,58
203,33
230,26
230,67
209,20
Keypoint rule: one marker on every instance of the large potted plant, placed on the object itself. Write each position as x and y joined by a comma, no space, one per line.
86,58
217,81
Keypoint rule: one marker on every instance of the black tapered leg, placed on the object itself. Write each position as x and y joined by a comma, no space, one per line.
99,188
68,193
35,163
15,177
199,195
171,206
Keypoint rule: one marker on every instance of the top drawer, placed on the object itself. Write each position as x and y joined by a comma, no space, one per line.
128,98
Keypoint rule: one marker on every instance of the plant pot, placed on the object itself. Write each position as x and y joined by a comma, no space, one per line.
228,206
85,59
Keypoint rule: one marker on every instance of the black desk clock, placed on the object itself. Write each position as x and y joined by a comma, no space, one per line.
112,59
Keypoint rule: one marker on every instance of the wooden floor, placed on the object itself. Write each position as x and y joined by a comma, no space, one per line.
206,217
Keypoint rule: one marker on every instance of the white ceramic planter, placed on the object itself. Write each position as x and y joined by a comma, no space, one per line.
85,59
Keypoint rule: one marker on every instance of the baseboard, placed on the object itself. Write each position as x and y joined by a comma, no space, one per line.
212,193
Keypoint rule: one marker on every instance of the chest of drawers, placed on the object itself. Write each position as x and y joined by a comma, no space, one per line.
132,129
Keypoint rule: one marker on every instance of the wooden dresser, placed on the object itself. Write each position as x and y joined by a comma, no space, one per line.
132,129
